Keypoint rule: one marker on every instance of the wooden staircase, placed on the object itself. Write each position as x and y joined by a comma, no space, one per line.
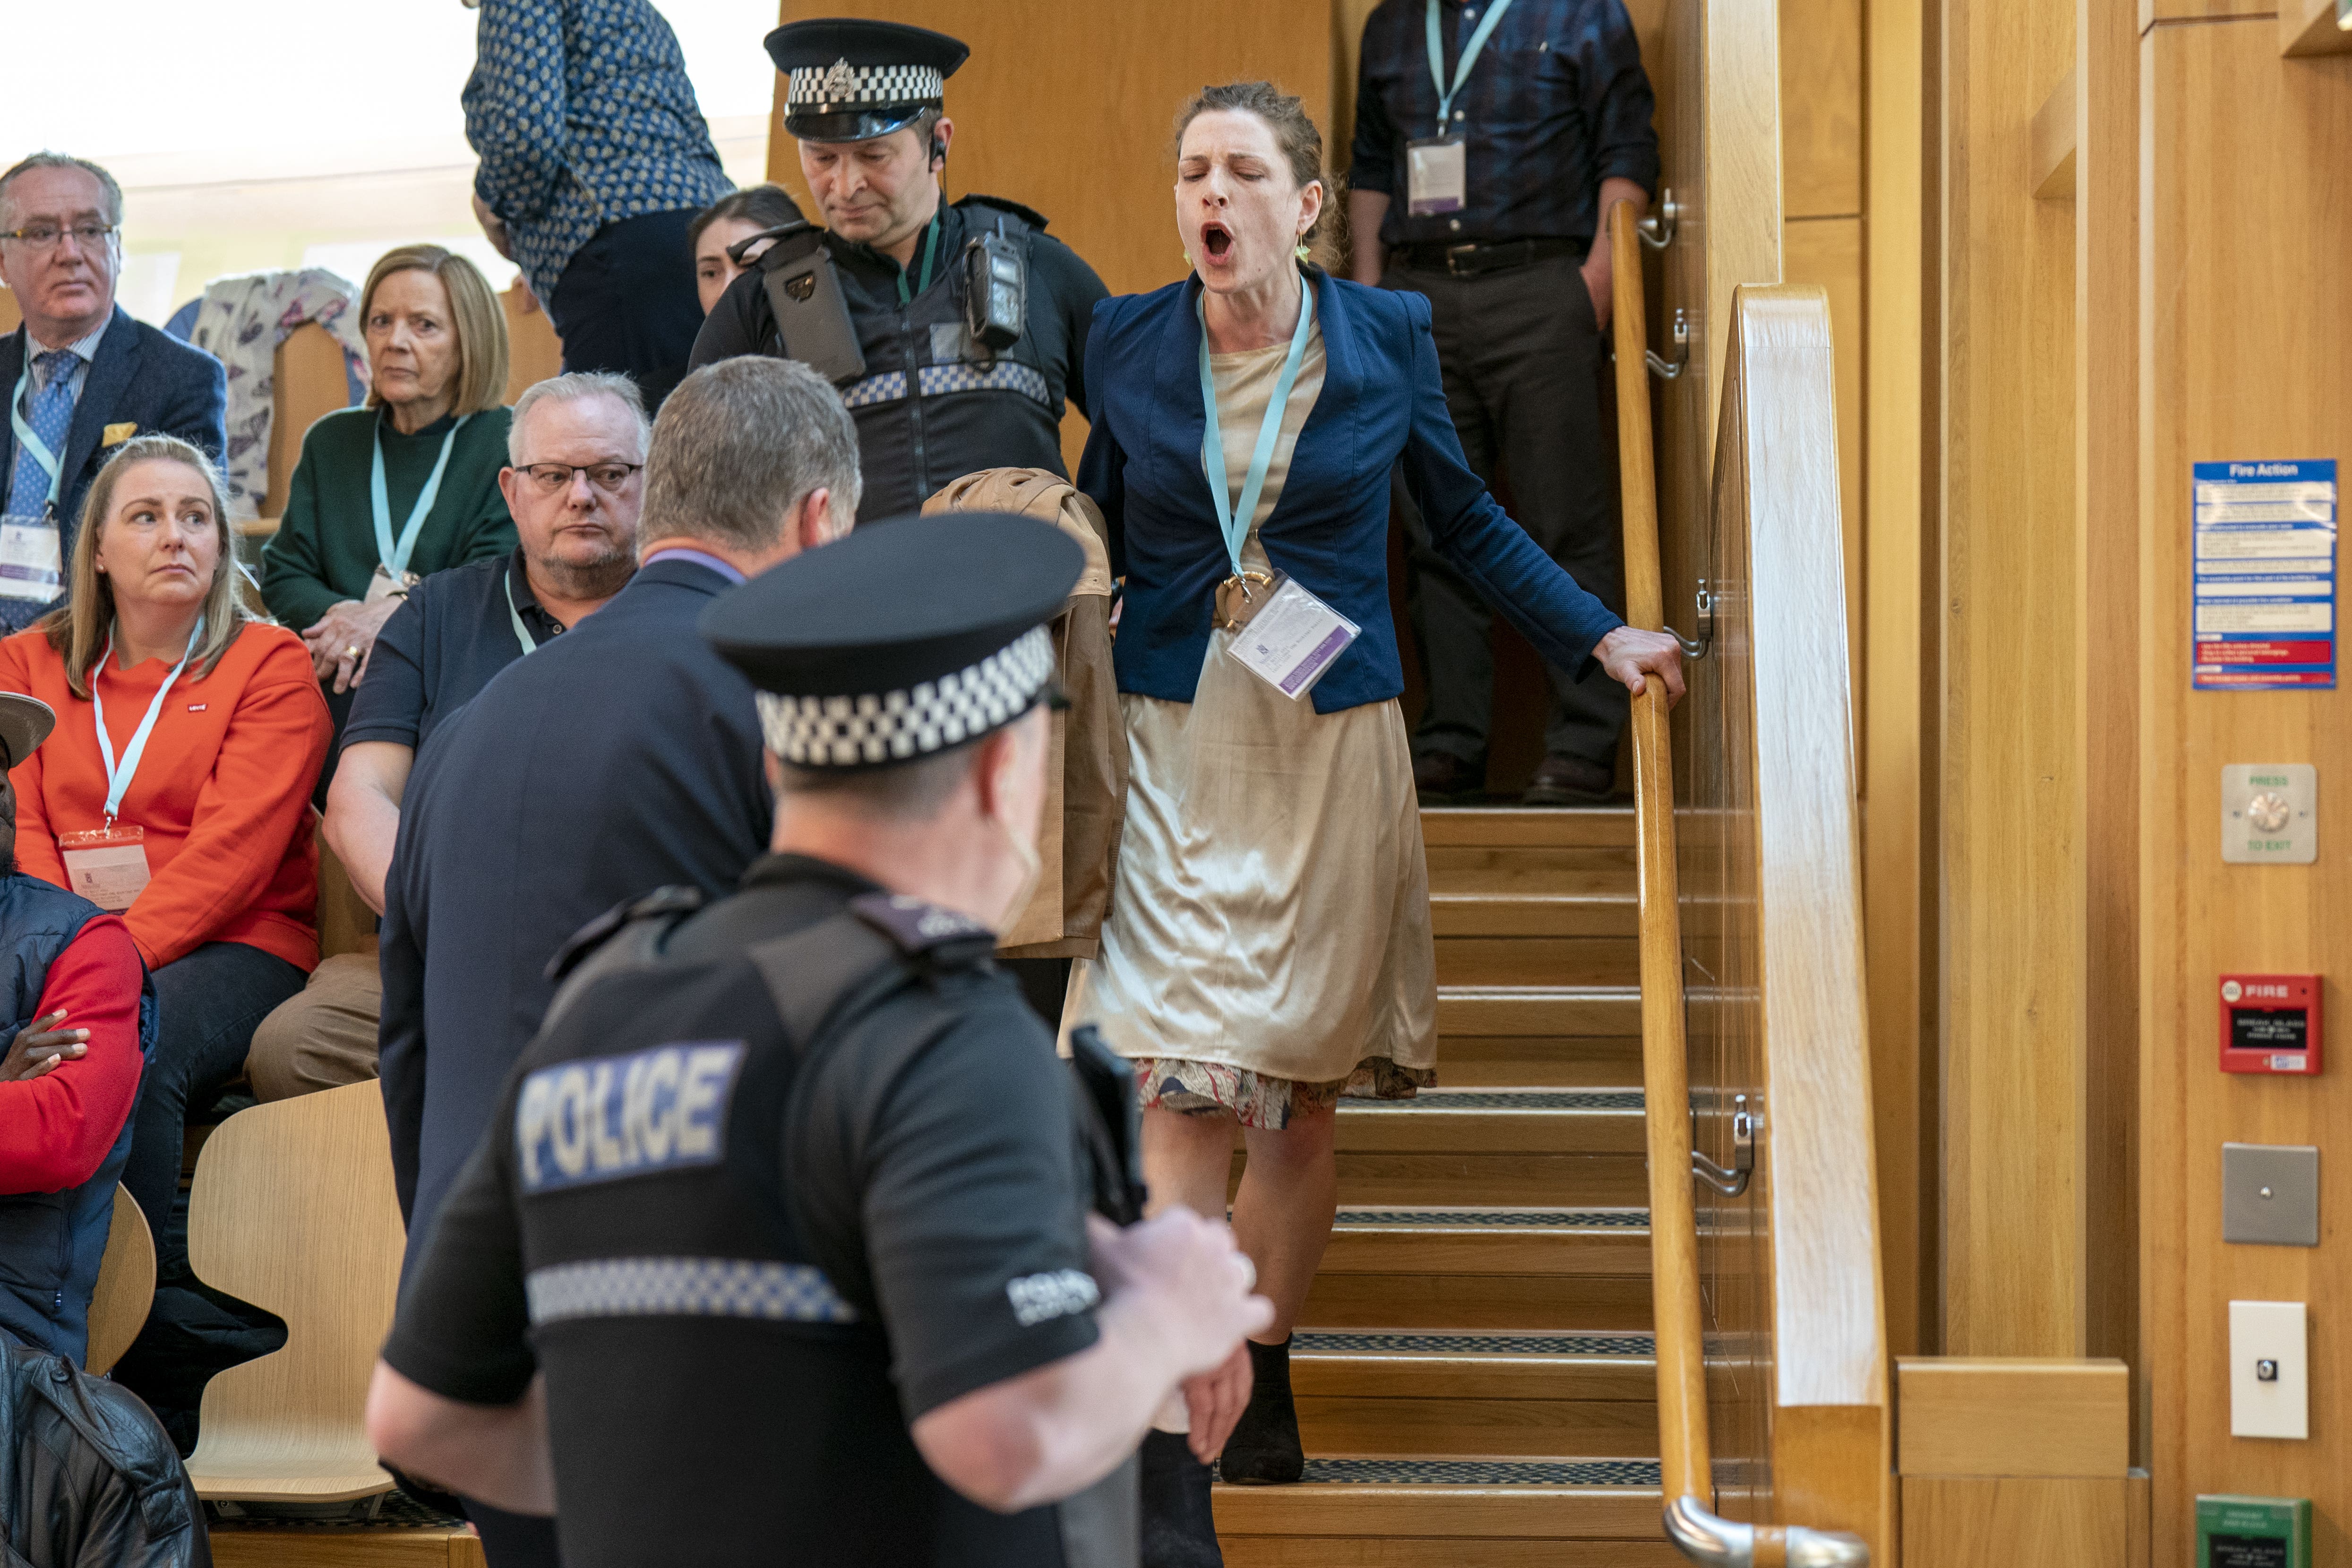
1474,1379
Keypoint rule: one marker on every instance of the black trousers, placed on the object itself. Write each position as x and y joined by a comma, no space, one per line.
627,302
1522,360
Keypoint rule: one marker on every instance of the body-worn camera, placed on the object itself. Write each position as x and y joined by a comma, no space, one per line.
996,291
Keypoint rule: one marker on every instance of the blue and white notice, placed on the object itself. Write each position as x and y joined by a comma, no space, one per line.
2264,575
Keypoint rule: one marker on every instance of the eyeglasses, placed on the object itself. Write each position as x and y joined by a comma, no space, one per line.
45,236
551,477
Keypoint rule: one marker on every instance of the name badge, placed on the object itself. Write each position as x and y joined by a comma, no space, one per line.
107,865
1292,639
1437,175
383,585
30,566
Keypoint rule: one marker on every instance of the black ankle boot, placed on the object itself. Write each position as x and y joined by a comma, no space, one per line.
1179,1531
1264,1449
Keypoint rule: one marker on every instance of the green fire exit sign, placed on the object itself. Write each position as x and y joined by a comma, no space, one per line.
2253,1533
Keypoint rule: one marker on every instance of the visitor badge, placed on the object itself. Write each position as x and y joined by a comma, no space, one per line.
1437,174
31,566
106,865
1292,639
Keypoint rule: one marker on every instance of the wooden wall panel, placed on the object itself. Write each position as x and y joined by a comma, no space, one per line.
2106,138
2246,346
1898,546
2011,787
1067,105
1968,1522
1821,109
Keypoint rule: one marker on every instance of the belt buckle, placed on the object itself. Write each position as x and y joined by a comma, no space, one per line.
1455,254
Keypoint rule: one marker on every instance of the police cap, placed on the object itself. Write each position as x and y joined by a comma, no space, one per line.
848,79
25,723
910,636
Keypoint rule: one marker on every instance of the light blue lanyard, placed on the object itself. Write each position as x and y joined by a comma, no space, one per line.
1232,518
522,632
1461,66
395,555
33,444
117,777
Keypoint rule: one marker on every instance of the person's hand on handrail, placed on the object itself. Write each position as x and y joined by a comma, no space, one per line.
1632,655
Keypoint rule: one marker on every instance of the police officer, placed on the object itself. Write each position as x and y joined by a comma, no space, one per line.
779,1245
954,330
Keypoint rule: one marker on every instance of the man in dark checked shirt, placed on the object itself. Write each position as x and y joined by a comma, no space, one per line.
1486,193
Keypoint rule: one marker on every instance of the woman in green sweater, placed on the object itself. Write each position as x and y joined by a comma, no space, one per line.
389,493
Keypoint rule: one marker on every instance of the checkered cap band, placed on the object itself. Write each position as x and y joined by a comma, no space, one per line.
685,1287
898,726
840,87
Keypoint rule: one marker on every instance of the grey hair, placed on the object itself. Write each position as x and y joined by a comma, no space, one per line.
739,445
571,387
106,185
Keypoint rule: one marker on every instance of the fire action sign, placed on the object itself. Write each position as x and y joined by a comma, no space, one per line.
2265,575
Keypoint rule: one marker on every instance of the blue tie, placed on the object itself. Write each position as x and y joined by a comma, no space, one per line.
49,411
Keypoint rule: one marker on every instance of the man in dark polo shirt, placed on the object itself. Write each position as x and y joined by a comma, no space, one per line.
622,757
575,485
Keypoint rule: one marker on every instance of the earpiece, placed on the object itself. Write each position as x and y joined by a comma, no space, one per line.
939,152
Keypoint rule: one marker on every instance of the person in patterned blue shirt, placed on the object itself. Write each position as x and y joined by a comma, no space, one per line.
1492,137
595,158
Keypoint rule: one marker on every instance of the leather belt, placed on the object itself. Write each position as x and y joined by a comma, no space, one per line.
1485,256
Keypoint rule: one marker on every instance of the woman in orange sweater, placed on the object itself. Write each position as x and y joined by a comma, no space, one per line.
176,787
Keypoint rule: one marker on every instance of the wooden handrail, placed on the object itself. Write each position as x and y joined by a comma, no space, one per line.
1687,1463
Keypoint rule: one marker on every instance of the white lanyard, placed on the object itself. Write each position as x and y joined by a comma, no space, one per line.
118,776
522,632
33,444
1462,67
1235,518
395,555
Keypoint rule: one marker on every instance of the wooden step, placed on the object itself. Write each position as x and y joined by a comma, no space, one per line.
1576,1061
1527,914
1470,1395
1517,960
1484,1267
1523,872
1453,827
1452,1147
1488,1513
1614,1010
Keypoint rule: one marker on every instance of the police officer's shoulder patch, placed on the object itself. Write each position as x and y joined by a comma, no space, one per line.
919,927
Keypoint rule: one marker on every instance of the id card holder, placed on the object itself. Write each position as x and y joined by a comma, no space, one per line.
1437,175
383,585
107,865
30,565
1292,639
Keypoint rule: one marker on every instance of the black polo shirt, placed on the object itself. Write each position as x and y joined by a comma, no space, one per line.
443,647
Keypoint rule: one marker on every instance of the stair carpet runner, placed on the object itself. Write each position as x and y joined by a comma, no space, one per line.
1473,1369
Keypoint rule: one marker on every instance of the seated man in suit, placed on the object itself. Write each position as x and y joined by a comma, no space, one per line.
83,377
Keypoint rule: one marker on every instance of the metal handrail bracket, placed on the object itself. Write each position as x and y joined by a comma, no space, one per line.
1702,1537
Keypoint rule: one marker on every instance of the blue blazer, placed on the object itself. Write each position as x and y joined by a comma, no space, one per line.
1381,405
139,377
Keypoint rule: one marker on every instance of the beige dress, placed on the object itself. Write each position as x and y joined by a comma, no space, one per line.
1268,942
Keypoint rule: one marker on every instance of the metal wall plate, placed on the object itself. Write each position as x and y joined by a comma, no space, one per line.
2270,1193
2269,814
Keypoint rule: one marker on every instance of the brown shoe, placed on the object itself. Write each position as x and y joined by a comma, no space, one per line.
1442,779
1571,782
